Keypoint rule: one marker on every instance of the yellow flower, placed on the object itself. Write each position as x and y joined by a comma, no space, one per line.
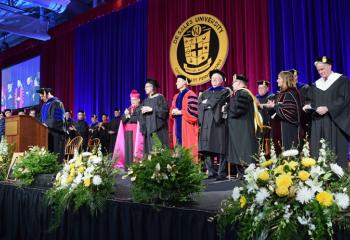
267,163
264,176
292,165
243,201
71,166
70,179
308,162
87,182
284,180
78,162
279,170
303,175
1,159
282,191
72,172
324,199
81,169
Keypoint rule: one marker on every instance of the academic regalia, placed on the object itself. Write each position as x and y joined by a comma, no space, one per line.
334,126
113,126
52,114
264,112
82,130
264,135
129,143
155,121
286,120
102,134
185,127
242,142
70,123
93,131
212,134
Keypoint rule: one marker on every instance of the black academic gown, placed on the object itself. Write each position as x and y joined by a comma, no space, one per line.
212,134
155,121
102,134
82,130
70,123
264,112
242,142
286,125
334,126
113,126
52,114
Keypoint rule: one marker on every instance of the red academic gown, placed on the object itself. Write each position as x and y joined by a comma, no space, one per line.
189,123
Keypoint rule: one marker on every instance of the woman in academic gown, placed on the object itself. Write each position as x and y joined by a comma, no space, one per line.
286,118
154,116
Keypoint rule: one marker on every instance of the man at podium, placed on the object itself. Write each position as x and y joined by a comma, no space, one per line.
52,116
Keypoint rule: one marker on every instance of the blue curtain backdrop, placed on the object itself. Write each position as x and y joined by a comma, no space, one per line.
110,60
302,30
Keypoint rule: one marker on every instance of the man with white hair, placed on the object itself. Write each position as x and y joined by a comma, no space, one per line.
212,134
328,102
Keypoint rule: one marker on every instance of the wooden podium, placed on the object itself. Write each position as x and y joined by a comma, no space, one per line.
25,131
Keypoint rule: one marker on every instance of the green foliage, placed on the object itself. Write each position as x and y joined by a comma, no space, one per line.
35,161
166,176
86,180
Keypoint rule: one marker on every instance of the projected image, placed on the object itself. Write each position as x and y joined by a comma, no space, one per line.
19,85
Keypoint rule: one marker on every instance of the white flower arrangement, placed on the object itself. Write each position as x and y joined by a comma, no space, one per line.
86,179
290,190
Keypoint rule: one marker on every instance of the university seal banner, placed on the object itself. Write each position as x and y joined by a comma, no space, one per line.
199,45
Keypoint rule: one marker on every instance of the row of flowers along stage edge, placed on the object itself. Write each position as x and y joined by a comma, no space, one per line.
291,196
86,180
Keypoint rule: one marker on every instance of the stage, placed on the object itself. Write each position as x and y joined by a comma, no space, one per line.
24,216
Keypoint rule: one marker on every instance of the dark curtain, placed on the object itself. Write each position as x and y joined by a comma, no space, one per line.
57,67
23,216
110,60
246,22
302,30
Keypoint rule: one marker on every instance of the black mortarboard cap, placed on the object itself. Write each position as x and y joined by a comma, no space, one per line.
221,73
240,77
294,72
263,82
324,59
42,90
153,82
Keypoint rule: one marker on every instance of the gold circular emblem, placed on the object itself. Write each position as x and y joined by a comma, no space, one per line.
199,45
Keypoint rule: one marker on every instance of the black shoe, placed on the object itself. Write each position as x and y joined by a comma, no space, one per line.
221,178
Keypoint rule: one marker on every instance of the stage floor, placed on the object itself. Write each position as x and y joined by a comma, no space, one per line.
208,200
